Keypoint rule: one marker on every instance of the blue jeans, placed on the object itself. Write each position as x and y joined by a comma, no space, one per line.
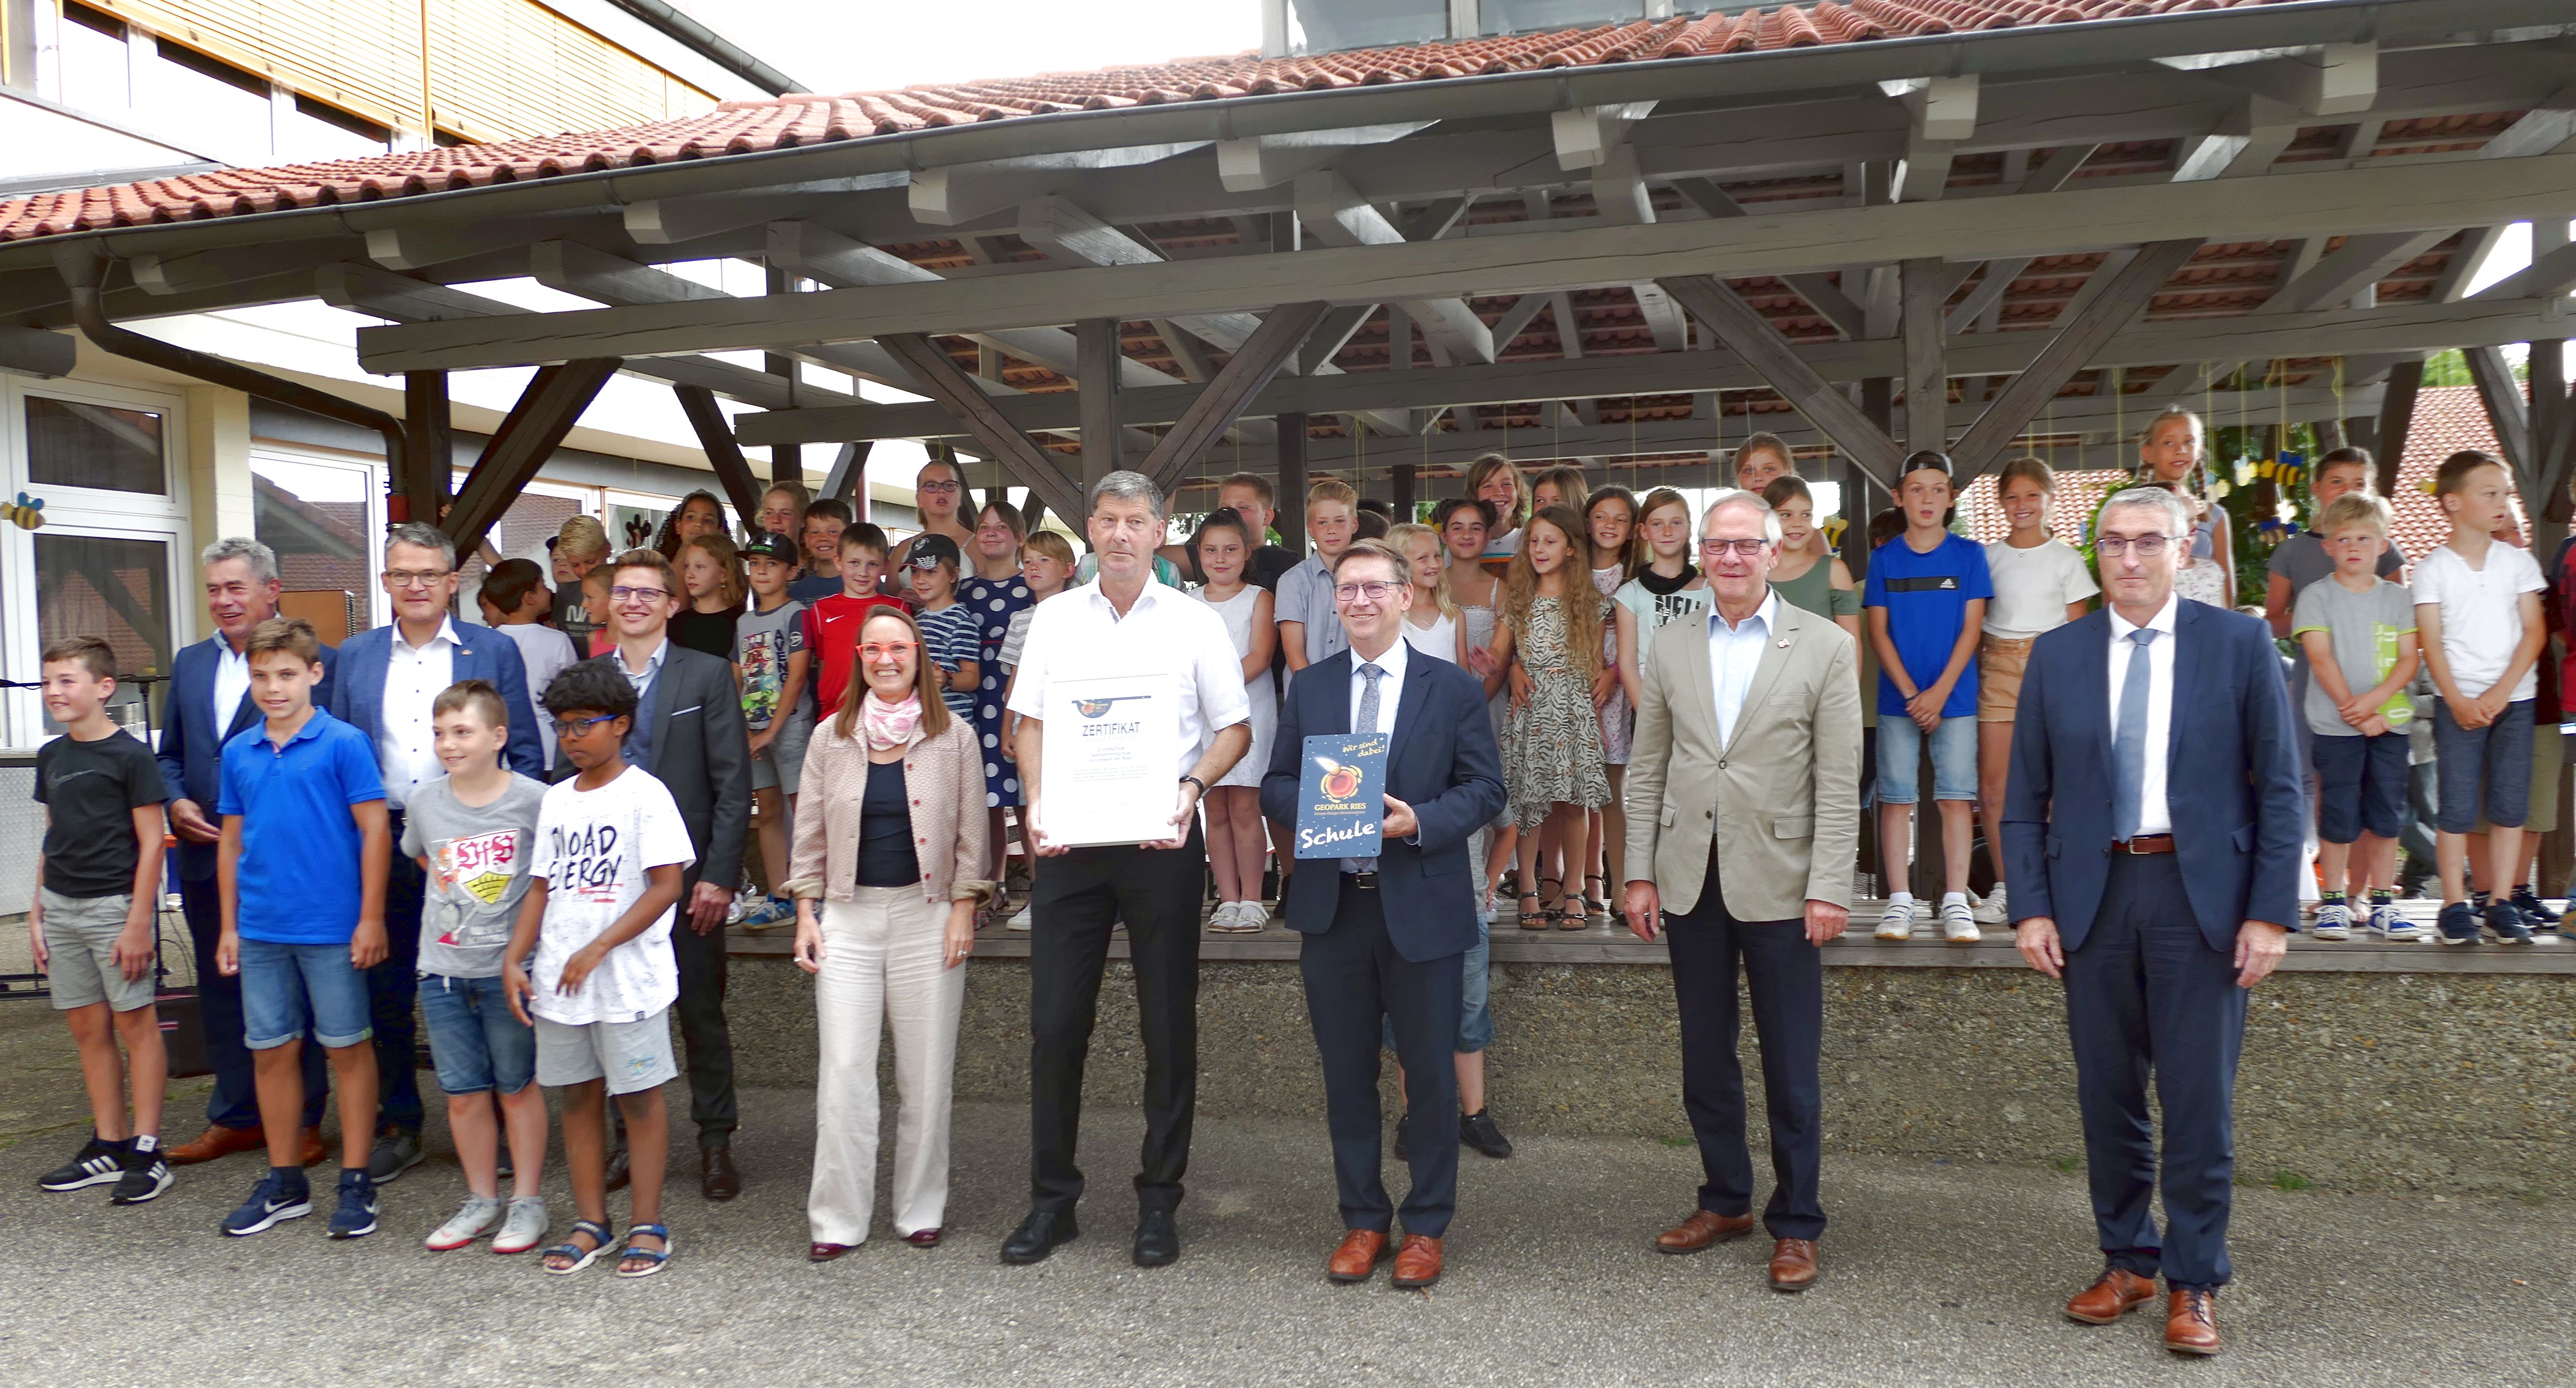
2498,754
235,1100
286,988
478,1045
1475,1018
1900,758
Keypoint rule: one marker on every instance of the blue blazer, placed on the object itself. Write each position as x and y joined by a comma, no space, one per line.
1442,762
2231,777
192,748
358,695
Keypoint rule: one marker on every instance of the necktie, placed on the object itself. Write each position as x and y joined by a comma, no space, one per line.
1364,724
2129,741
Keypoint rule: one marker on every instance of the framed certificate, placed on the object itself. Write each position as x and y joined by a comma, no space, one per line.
1111,759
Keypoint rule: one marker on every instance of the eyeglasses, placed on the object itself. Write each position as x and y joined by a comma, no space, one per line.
575,727
936,488
639,594
887,650
2146,546
1747,548
1373,591
415,578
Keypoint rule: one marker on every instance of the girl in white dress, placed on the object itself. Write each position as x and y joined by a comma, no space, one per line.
1431,627
1236,838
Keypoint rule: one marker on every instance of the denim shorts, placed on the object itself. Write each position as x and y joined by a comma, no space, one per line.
287,988
1900,758
476,1043
2361,785
2497,755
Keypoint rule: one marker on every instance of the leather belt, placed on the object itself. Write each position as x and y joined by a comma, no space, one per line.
2144,843
1365,881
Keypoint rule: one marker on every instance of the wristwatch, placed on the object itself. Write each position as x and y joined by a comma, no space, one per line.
1202,785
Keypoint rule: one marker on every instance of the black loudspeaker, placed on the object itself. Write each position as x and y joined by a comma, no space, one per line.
183,1032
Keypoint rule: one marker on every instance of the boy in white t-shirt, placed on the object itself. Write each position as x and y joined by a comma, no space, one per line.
604,874
2477,605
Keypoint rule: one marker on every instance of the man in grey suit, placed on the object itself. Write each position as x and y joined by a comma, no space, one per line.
1743,800
689,735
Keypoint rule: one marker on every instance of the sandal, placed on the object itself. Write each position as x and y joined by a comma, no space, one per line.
1555,916
1532,920
1596,905
582,1257
657,1257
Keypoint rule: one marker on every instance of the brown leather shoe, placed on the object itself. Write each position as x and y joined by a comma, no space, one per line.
216,1141
1418,1263
2191,1322
2117,1293
313,1148
1702,1229
1793,1265
1357,1259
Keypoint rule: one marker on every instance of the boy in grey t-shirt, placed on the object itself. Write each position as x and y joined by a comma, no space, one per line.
471,833
2357,631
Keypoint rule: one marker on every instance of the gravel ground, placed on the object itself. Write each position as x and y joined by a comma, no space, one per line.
1934,1274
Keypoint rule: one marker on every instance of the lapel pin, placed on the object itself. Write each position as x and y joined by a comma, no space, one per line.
1784,643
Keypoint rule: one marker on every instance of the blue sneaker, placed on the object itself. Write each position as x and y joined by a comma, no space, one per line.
356,1216
271,1202
771,913
2334,921
2386,923
2535,912
2504,924
2459,922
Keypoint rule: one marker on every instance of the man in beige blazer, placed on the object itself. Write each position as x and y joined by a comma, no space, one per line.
1743,800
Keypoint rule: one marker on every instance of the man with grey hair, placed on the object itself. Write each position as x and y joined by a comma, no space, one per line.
1125,623
209,701
1743,803
2151,835
388,679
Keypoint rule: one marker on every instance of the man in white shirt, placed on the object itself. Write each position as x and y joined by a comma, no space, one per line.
1126,623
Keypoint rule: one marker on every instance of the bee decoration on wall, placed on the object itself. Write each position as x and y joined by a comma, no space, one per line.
28,512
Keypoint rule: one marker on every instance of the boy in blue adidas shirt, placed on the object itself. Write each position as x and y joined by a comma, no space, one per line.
301,877
1926,604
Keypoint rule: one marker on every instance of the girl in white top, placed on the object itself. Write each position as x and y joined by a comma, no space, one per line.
1667,586
1432,626
1463,523
1236,836
1493,480
2041,584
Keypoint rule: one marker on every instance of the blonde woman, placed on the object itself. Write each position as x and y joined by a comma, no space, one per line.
888,848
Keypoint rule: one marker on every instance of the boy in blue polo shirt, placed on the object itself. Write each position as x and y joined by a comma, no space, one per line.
301,875
1926,601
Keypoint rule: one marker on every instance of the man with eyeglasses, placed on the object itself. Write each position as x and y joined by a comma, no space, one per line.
688,734
1387,935
2152,827
1743,801
386,682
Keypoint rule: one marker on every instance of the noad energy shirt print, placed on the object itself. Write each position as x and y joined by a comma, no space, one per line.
593,849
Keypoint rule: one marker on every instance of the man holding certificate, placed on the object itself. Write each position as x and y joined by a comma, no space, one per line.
1390,910
1123,686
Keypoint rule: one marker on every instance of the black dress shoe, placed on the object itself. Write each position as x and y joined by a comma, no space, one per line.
1039,1235
717,1180
618,1175
1158,1239
1478,1130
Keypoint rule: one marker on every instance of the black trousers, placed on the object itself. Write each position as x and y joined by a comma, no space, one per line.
235,1102
2147,993
393,992
1356,982
1074,900
701,960
1786,977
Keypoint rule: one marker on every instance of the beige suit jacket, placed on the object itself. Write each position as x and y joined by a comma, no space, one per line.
1782,796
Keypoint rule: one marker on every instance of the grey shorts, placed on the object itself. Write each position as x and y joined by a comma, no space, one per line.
631,1056
781,764
80,935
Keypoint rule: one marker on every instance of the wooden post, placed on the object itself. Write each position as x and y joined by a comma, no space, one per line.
1096,368
1403,480
428,460
786,460
2396,418
1292,483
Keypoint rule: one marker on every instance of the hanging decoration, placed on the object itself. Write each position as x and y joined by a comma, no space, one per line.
27,512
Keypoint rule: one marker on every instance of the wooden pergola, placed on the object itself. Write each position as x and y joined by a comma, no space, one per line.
1983,239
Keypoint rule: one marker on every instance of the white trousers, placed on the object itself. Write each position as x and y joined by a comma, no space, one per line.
882,964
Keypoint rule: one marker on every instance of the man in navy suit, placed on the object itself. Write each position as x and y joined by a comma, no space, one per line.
1387,936
207,702
387,679
2152,824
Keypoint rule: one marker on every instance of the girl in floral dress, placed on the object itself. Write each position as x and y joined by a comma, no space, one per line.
1552,757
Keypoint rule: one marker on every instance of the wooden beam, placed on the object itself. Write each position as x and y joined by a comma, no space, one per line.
2361,262
1990,291
2396,421
1927,384
428,454
936,376
1741,326
37,352
528,436
1096,358
1222,402
849,475
724,452
2502,396
2070,351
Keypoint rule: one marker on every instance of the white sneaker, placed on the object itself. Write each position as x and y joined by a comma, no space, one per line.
1959,924
2391,926
525,1226
1992,910
470,1222
1024,919
2334,921
1898,922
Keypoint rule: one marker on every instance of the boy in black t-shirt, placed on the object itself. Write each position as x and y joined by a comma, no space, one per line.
92,921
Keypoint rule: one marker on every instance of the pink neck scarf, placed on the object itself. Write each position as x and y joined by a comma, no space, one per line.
889,725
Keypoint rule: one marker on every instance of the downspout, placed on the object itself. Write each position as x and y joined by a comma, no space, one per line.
82,265
709,44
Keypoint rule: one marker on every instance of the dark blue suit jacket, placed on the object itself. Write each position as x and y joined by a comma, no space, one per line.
1442,762
2231,777
358,694
192,748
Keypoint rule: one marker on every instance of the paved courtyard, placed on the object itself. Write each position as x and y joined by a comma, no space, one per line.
1935,1274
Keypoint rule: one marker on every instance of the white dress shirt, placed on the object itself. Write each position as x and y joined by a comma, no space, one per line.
1079,635
2155,816
232,685
406,745
1734,653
